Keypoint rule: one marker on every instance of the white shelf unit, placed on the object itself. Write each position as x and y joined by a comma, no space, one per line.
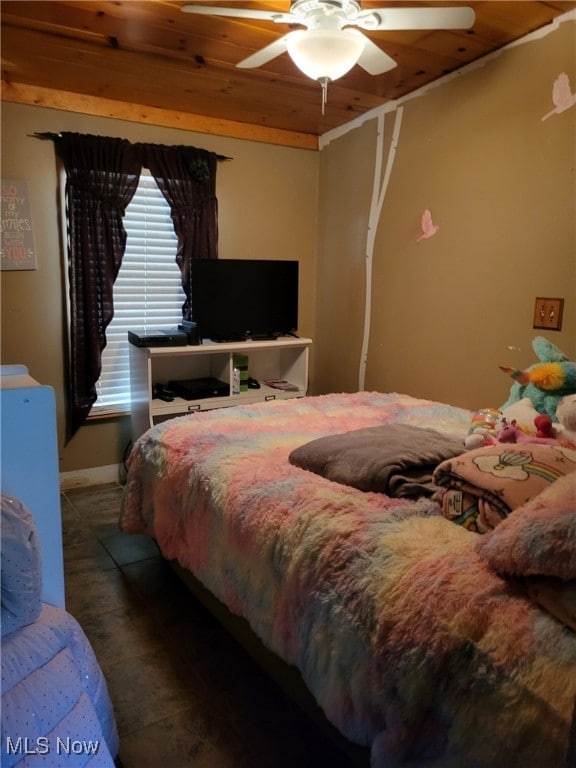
284,358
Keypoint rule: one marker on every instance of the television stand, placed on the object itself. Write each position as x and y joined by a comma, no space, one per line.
280,358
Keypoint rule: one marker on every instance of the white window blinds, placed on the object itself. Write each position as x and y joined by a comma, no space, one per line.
148,292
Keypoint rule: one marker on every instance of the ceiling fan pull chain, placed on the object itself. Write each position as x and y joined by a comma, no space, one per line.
324,83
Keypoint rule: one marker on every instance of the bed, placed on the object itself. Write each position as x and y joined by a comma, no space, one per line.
55,705
421,641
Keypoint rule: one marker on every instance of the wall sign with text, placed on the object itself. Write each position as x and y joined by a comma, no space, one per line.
17,249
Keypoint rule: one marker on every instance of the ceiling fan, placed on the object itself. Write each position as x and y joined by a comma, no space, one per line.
327,49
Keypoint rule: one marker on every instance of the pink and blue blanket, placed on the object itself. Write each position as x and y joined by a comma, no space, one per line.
411,643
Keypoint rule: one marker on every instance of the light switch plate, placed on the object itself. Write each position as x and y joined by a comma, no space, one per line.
548,313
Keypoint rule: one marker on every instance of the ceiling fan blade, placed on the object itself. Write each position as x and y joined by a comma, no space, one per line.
243,13
264,55
374,60
461,17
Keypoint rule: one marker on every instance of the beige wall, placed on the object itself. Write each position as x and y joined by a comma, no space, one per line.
500,183
267,199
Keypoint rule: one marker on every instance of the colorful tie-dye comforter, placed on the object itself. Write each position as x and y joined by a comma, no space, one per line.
410,643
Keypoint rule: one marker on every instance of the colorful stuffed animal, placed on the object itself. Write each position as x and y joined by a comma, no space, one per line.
510,432
483,428
546,382
544,427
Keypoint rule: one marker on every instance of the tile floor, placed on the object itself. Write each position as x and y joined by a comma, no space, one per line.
184,693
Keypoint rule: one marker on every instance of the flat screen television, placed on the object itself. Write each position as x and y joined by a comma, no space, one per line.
235,299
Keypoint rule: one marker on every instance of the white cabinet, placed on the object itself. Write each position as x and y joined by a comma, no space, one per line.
285,358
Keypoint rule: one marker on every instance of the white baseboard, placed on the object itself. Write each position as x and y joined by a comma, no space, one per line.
80,478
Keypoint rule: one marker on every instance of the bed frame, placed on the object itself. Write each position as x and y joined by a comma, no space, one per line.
284,675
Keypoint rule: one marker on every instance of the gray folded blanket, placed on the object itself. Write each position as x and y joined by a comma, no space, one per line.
395,459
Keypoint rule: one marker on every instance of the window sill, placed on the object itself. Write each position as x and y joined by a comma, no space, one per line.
109,412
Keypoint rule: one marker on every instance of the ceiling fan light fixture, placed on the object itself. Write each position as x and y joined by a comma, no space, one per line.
325,54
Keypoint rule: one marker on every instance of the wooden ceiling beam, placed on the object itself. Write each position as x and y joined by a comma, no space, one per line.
137,113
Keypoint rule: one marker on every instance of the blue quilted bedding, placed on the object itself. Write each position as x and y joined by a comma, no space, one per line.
55,705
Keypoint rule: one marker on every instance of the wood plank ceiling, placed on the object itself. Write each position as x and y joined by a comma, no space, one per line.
153,55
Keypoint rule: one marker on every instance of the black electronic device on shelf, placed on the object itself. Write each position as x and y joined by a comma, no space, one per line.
198,389
238,299
167,337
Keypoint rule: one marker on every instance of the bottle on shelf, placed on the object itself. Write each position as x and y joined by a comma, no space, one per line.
235,381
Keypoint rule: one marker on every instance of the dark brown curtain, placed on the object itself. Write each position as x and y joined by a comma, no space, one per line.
186,177
101,178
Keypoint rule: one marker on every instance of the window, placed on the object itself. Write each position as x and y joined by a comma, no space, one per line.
148,292
102,175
